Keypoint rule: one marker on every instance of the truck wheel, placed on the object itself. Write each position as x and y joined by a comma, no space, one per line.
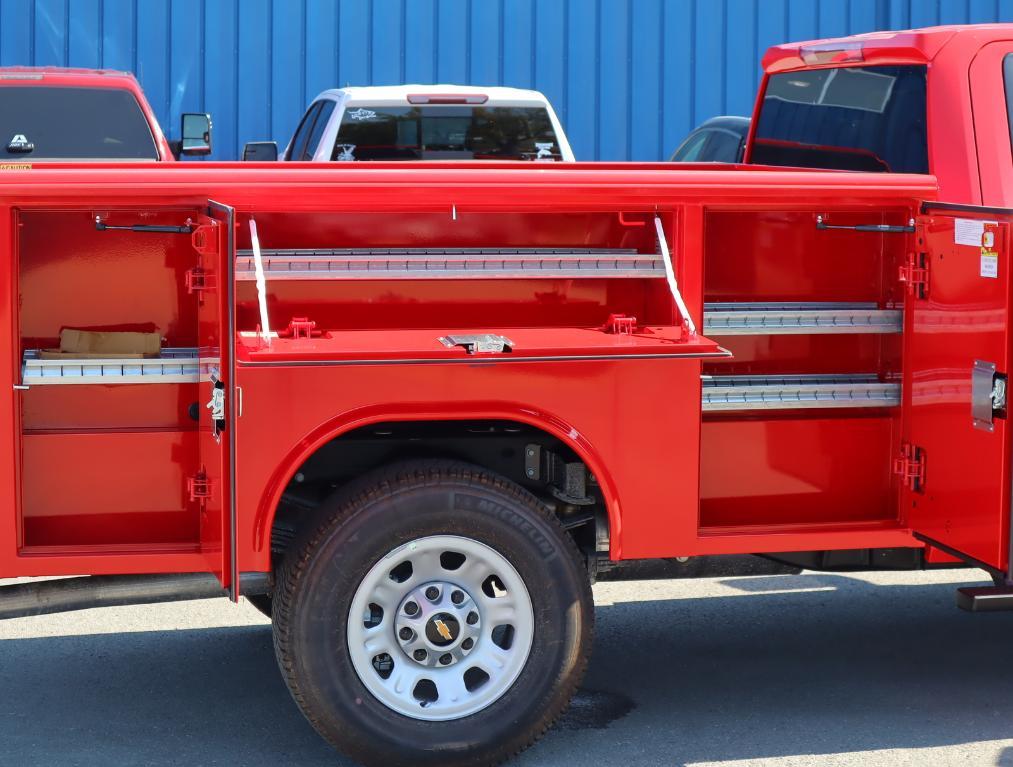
435,614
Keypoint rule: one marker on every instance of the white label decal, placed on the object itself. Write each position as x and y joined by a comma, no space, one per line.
968,231
544,150
989,263
361,114
347,153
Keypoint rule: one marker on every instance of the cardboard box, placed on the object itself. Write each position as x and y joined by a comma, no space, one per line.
92,344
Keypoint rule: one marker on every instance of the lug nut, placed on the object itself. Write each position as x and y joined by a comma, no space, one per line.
411,608
432,593
467,644
419,655
406,633
472,618
457,597
445,659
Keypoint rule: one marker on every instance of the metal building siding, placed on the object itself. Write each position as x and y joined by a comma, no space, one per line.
629,78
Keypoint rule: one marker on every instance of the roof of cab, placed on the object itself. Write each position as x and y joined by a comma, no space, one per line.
909,46
398,94
65,75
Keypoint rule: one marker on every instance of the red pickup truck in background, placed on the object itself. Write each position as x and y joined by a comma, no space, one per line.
52,114
413,409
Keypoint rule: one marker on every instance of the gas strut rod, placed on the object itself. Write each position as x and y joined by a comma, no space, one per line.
884,228
673,286
103,227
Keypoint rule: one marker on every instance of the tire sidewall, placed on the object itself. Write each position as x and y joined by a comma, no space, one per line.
532,542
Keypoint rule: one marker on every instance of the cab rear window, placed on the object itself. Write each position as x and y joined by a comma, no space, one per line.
845,118
56,123
445,133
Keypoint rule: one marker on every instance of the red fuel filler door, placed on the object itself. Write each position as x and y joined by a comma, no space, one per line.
211,284
954,463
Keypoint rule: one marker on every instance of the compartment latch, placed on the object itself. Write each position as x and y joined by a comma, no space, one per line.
479,343
988,395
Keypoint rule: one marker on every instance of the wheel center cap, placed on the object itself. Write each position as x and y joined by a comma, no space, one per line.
443,629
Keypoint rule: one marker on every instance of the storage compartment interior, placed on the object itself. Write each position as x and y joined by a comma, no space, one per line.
452,270
107,439
801,424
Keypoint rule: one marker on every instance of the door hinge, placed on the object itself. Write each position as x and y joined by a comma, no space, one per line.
197,280
620,325
910,467
198,487
914,274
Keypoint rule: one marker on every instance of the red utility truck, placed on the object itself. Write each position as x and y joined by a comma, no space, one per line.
413,410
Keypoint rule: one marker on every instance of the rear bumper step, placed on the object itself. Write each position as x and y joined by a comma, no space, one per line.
985,599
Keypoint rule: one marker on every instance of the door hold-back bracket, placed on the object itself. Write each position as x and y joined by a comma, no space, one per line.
988,395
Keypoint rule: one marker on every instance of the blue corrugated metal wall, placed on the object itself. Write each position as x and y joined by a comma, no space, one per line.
629,78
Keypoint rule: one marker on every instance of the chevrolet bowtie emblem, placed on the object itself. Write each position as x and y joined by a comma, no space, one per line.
443,629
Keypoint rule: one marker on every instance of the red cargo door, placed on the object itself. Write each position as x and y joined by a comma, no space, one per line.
954,462
214,484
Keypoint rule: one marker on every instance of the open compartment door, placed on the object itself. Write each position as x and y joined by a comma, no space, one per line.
211,282
955,460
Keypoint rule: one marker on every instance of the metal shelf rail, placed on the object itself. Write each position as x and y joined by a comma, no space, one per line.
449,263
799,391
173,366
727,319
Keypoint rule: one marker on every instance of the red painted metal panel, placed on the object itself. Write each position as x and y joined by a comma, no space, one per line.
528,343
785,468
644,454
107,489
211,484
963,501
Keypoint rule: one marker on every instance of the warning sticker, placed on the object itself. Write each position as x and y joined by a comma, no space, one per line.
989,263
968,231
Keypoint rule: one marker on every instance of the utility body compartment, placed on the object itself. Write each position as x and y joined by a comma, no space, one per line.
742,360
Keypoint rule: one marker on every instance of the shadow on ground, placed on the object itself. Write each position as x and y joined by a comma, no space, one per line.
847,667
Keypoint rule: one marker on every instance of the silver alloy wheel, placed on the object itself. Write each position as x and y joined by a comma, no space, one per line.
440,628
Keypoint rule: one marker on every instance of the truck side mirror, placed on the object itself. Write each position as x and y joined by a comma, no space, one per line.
260,151
195,130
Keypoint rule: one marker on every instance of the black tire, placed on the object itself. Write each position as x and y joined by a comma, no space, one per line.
263,602
364,523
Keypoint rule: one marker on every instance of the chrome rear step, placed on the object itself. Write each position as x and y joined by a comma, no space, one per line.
804,318
800,391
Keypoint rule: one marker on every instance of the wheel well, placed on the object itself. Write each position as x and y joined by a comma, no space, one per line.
536,460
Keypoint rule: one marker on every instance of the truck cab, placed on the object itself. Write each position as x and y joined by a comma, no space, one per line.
936,100
56,114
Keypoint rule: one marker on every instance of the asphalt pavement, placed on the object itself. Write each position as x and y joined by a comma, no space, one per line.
768,670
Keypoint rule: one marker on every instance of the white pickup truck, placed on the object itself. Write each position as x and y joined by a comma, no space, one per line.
424,122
